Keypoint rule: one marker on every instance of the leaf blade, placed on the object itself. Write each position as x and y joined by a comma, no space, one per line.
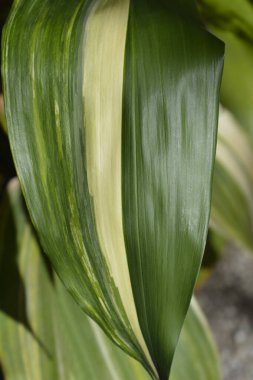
62,342
50,143
167,130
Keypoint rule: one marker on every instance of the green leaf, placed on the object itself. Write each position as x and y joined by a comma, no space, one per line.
232,213
232,202
112,124
233,22
196,355
45,335
236,16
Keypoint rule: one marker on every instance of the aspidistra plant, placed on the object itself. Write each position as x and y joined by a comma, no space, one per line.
112,114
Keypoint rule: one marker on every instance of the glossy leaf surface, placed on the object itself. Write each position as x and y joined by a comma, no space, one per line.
112,124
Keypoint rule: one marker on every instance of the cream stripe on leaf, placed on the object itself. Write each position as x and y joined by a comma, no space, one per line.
111,113
102,90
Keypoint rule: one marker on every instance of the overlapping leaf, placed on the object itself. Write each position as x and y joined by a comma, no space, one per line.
44,334
112,124
233,16
232,203
233,22
233,187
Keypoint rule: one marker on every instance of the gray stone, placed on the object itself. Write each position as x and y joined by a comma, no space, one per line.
227,300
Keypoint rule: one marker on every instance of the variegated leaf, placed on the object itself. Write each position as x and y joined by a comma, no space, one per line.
111,112
44,335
